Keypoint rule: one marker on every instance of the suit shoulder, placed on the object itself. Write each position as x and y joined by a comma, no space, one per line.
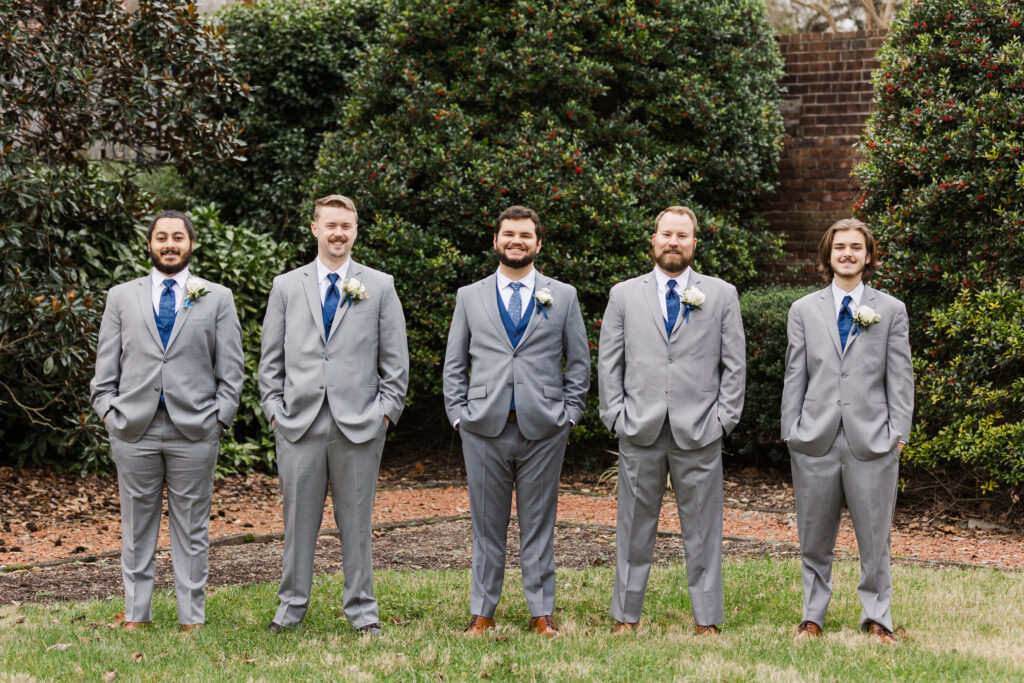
369,274
715,283
889,299
290,276
805,301
564,286
626,285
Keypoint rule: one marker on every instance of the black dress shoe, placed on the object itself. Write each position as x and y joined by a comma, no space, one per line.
370,630
276,628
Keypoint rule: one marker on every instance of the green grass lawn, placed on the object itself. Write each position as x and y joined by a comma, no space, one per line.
953,625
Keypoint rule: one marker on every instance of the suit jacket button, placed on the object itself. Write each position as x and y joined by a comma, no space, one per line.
320,386
156,388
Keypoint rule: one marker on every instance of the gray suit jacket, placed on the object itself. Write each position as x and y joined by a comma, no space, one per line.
199,373
362,369
481,367
869,385
696,378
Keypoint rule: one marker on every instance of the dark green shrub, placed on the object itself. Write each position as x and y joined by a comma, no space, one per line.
596,114
296,56
765,313
969,409
944,186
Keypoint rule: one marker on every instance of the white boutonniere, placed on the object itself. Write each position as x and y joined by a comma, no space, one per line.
865,317
354,291
691,299
544,299
195,289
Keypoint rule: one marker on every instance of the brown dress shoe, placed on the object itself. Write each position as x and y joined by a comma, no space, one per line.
478,624
135,625
880,632
807,630
624,628
187,628
711,630
544,626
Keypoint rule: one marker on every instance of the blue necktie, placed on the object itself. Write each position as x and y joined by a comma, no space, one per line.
165,316
515,304
845,320
671,307
331,304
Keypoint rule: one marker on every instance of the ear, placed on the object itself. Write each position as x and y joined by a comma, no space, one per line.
312,227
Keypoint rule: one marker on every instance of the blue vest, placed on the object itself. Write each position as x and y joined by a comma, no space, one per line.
514,333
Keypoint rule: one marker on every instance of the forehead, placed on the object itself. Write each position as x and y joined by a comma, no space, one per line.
336,214
850,236
518,225
168,224
675,222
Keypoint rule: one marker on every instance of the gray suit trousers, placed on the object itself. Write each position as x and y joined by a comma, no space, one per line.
305,467
697,482
164,455
821,483
493,467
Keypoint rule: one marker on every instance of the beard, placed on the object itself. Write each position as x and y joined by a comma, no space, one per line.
672,262
521,262
170,270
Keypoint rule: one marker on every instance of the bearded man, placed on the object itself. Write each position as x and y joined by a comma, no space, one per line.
671,374
167,385
516,374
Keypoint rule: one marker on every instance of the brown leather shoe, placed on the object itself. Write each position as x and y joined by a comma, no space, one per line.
544,626
880,632
478,625
710,630
187,628
135,625
807,630
624,628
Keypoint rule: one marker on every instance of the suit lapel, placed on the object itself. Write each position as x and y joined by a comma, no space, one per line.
312,289
694,280
180,318
354,270
649,292
867,299
539,283
144,295
487,290
826,307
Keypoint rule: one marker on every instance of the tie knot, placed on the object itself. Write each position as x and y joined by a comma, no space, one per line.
846,300
169,283
516,286
333,277
672,285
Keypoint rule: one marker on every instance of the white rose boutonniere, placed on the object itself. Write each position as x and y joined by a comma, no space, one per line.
195,289
864,317
544,299
691,299
354,291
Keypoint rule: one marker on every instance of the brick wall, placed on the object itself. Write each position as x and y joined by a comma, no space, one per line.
827,101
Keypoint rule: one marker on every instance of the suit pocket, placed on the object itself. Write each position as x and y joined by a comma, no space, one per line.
479,391
553,392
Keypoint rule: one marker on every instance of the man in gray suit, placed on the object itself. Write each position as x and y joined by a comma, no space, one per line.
507,393
671,373
168,379
333,376
847,405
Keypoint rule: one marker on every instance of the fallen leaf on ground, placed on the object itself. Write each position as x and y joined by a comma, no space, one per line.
138,657
59,646
109,675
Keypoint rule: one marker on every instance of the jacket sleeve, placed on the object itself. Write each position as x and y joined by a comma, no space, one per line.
733,376
456,362
272,358
795,383
611,362
107,378
392,354
576,378
899,375
229,365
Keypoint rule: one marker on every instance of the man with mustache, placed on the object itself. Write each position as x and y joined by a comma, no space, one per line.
847,405
671,374
516,373
333,375
168,379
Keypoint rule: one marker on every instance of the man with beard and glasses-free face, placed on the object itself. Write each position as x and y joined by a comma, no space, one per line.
168,379
671,374
847,404
516,374
333,376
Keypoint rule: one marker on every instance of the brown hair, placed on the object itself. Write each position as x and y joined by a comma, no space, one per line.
825,248
682,211
337,201
515,213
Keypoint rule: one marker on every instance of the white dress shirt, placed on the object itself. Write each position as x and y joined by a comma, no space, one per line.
682,282
158,287
321,276
529,281
838,294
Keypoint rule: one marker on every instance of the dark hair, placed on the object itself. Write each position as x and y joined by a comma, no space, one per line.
515,213
172,214
825,248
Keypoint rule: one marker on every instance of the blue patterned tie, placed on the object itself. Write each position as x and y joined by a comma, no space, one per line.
165,316
671,307
515,304
845,319
331,300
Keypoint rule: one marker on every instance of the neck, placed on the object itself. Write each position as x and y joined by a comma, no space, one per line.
847,284
515,274
332,263
671,275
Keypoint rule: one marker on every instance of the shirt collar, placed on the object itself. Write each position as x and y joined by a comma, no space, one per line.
323,271
682,281
179,278
838,294
528,280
